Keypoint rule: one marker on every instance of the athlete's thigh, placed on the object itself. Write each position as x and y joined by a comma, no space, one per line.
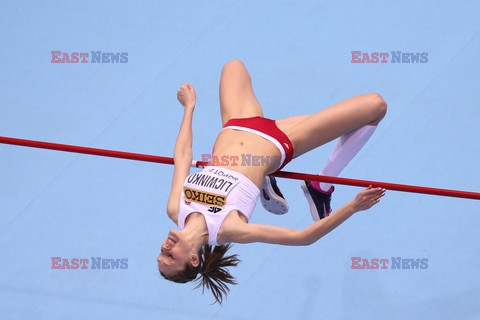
237,99
335,121
287,123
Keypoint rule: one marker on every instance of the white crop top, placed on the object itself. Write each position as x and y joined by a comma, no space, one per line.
215,192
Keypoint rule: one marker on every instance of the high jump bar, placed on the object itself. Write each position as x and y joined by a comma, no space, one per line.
280,174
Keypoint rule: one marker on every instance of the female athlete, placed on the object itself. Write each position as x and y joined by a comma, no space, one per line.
212,208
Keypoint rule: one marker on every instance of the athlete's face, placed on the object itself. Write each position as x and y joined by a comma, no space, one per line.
175,253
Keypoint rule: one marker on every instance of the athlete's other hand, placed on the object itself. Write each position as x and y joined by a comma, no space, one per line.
186,96
367,198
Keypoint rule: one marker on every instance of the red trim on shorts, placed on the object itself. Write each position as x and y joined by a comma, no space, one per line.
268,127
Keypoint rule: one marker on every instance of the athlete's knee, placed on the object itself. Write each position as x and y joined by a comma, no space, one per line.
378,104
233,65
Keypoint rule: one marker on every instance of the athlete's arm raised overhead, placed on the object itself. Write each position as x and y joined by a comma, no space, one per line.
183,149
278,235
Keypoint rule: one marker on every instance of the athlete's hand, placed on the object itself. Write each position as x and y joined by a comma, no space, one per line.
186,96
367,198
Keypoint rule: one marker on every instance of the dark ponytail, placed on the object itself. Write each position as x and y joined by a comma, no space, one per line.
214,274
212,269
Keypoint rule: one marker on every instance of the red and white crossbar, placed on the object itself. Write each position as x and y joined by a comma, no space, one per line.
281,174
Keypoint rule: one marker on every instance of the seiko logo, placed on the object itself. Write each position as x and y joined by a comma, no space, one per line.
204,197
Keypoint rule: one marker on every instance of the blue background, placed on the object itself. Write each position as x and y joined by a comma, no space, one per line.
55,204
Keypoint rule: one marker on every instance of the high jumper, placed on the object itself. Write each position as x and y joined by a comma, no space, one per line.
212,208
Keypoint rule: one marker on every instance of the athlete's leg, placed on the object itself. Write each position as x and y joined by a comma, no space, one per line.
237,99
287,123
346,149
308,132
319,194
355,123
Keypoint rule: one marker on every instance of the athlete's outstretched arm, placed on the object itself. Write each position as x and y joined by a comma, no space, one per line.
278,235
182,154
